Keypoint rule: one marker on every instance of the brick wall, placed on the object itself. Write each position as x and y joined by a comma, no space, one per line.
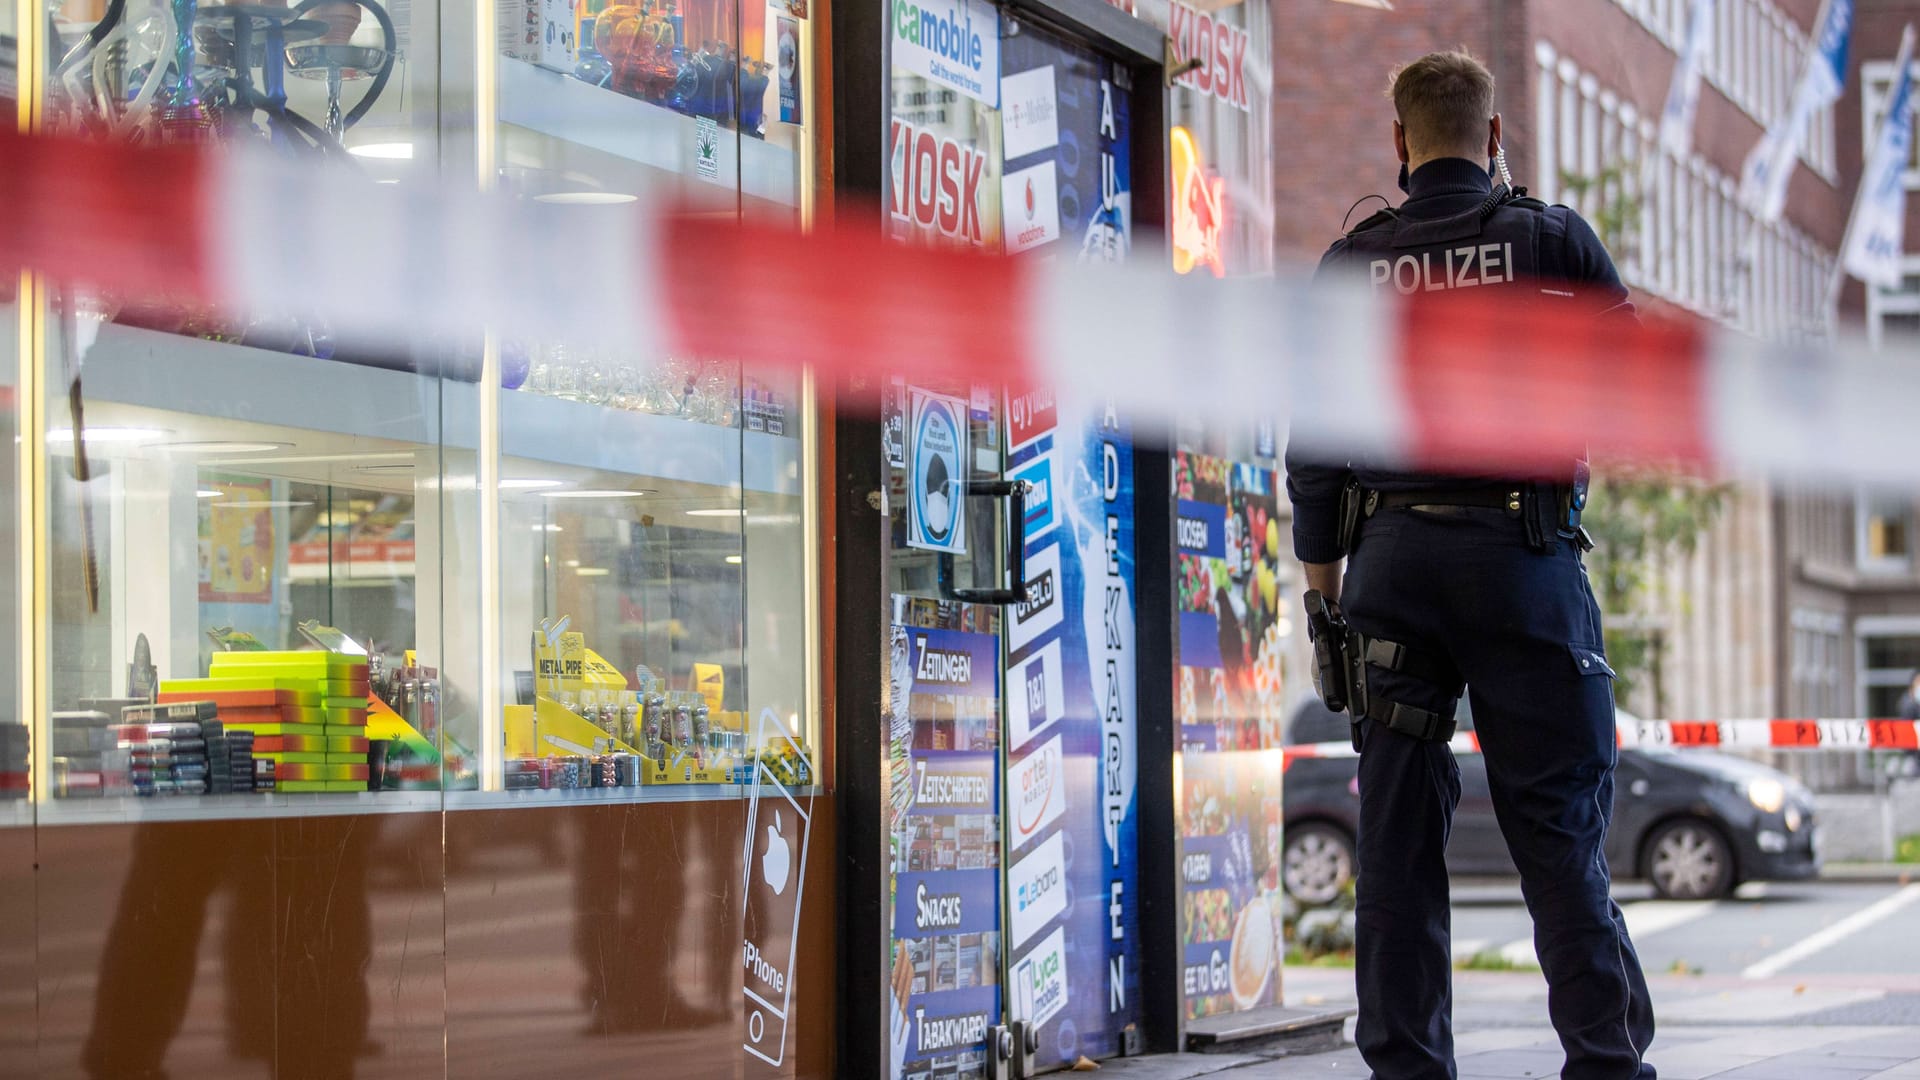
1333,125
1876,36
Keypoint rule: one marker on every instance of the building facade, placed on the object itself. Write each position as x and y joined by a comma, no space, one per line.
1790,599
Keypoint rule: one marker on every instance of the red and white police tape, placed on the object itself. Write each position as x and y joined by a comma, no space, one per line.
1633,734
1463,381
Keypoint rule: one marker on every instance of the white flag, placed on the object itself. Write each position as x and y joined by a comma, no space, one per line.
1876,233
1763,180
1683,96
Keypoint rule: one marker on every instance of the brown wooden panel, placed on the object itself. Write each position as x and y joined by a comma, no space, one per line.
603,936
155,949
17,984
293,947
359,946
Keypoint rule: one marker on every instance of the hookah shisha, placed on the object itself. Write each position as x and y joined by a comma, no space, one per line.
336,60
183,117
246,36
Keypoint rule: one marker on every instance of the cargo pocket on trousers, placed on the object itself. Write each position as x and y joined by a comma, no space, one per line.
1588,660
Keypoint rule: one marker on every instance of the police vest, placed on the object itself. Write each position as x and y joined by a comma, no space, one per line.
1495,244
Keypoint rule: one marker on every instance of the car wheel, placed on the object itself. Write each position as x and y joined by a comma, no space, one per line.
1317,864
1689,860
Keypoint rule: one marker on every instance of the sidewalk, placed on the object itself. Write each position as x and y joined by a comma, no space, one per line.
1726,1028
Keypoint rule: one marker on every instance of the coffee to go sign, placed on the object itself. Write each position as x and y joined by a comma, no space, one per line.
1220,48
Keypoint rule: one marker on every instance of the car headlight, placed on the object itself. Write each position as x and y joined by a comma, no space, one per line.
1766,793
1794,819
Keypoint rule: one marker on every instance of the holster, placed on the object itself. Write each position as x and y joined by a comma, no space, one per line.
1333,642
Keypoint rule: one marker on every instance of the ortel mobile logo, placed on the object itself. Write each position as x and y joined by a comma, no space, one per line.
1036,790
951,35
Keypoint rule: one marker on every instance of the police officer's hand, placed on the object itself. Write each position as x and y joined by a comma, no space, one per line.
1324,577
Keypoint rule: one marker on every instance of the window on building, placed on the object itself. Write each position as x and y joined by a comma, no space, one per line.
1816,663
1876,86
1889,652
1884,532
1895,312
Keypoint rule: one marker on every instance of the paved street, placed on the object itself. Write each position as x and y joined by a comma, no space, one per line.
1808,981
1796,928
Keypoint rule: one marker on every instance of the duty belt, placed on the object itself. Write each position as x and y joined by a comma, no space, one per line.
1492,496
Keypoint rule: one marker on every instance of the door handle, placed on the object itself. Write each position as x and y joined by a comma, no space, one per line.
1015,492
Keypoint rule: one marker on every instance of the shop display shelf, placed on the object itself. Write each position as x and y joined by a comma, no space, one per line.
535,427
222,390
565,108
214,380
125,809
671,793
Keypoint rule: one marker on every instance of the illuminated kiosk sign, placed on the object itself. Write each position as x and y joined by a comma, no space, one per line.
1199,209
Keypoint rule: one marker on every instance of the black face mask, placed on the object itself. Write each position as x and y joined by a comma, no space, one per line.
1404,185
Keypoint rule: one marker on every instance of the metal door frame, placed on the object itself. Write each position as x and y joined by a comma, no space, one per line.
861,166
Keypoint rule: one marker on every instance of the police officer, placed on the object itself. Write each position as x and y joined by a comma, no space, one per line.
1474,584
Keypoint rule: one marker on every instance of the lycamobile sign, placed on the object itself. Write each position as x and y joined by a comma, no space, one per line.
954,43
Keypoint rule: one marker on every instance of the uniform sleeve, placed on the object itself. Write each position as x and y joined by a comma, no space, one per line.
1591,269
1313,483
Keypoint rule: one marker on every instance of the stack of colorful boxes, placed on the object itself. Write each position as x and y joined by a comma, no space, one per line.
88,760
167,746
306,711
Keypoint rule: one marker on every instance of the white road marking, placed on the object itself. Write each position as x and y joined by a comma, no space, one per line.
1828,936
1645,918
1469,948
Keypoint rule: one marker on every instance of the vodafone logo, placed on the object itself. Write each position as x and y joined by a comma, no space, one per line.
1029,198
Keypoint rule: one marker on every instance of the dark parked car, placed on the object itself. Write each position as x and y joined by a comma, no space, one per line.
1695,823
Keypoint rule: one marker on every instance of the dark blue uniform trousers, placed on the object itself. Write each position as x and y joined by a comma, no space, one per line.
1523,629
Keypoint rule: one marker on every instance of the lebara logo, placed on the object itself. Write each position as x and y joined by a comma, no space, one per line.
950,36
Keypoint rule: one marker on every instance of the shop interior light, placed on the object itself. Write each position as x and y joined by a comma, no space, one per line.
549,527
529,483
734,559
585,198
1377,5
729,511
223,446
322,459
592,571
267,504
386,151
108,435
209,494
599,493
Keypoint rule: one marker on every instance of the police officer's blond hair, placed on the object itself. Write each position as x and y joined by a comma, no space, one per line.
1444,100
